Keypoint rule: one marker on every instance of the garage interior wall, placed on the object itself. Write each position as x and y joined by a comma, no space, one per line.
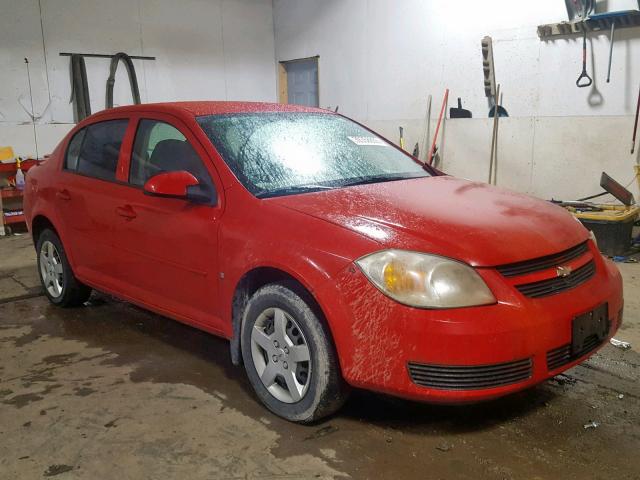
205,49
380,59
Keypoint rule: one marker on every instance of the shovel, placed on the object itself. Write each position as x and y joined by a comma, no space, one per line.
502,112
459,112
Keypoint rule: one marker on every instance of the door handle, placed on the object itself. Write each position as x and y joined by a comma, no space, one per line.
63,194
126,211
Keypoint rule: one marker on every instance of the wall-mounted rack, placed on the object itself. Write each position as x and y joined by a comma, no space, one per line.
102,55
596,23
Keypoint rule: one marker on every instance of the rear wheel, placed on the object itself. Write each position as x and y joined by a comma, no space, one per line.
58,281
289,357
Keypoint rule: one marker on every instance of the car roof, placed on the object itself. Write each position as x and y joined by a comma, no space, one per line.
200,108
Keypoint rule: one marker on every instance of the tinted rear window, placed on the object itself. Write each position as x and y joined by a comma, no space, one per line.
101,148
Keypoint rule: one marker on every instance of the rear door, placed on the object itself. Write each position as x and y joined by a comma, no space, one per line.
87,196
167,247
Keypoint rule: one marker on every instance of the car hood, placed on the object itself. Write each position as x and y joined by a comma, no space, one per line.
471,221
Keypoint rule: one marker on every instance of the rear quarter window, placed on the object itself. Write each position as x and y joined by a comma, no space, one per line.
100,149
73,150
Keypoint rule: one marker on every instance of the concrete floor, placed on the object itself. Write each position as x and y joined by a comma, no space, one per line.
110,391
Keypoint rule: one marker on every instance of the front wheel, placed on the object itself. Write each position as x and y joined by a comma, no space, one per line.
289,357
58,281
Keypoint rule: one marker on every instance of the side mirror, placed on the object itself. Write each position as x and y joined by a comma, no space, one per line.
171,184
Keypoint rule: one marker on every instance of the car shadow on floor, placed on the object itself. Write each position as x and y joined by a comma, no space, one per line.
162,350
407,415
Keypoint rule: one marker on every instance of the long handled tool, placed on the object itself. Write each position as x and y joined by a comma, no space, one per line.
613,30
435,136
427,136
494,141
402,138
635,124
584,80
600,19
32,115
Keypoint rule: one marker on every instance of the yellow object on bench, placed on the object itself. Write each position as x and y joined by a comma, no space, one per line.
610,213
6,153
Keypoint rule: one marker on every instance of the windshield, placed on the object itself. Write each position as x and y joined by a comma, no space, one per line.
276,154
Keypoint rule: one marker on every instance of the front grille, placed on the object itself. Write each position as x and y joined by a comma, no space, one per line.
551,286
456,377
560,356
542,263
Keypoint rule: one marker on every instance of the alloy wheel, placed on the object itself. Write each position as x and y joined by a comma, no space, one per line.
281,355
51,270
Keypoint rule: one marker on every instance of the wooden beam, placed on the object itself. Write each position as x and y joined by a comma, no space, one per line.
283,92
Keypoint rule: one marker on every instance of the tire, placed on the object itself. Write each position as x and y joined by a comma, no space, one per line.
318,390
59,283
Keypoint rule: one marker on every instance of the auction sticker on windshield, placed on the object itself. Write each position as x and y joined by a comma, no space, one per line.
369,141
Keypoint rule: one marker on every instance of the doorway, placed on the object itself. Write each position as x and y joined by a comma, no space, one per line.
298,81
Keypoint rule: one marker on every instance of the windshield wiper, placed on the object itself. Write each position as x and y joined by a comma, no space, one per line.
348,183
378,179
292,190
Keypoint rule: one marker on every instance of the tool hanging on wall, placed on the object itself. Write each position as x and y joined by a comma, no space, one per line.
402,138
80,92
613,29
487,67
635,124
579,9
584,80
502,112
432,151
489,72
459,112
133,79
617,19
80,88
30,111
32,114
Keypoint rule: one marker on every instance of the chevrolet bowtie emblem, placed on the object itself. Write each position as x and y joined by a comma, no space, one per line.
563,271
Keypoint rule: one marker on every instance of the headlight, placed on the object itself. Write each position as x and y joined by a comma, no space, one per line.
426,281
592,236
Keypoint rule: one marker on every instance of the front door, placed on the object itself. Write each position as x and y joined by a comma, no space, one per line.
167,247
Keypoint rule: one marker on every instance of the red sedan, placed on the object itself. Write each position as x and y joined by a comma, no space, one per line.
327,256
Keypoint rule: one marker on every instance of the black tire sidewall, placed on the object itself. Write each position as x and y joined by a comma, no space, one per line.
278,296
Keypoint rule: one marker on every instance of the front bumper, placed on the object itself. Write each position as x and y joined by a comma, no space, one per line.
378,339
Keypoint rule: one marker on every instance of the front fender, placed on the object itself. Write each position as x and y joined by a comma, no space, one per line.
307,249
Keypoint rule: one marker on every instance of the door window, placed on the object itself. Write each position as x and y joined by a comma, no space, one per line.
160,147
100,149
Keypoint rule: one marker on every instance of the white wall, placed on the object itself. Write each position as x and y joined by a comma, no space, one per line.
380,59
205,49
